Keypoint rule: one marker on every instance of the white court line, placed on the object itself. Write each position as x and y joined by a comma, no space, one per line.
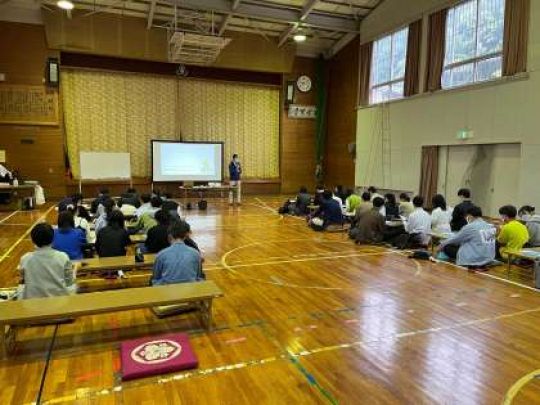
9,216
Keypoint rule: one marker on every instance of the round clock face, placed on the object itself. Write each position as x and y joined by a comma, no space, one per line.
304,83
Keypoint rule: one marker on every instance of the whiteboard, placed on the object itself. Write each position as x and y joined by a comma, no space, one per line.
105,165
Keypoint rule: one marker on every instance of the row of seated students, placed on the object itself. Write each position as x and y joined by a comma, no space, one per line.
468,238
49,269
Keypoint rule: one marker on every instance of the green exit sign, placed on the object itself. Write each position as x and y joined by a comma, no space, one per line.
464,134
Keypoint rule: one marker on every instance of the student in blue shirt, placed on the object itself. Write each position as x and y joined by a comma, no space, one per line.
178,263
67,238
329,213
235,174
474,245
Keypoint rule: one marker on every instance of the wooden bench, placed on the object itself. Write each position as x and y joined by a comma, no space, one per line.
105,264
41,310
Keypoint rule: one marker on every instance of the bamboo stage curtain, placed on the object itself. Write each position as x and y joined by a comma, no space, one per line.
245,117
111,112
118,112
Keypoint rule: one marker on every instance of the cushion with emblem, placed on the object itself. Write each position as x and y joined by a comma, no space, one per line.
154,355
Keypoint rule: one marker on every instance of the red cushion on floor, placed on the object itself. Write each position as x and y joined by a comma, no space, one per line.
156,355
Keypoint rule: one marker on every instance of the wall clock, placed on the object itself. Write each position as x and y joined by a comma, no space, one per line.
304,83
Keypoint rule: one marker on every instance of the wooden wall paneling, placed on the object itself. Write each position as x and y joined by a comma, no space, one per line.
23,55
342,73
298,135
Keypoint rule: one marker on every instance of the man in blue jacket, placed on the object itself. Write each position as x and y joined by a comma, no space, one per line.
235,172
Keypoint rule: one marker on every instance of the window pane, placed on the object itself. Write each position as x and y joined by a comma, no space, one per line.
458,76
397,90
490,26
399,53
464,31
381,60
450,39
380,94
489,69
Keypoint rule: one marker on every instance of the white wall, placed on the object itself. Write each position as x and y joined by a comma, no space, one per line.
504,112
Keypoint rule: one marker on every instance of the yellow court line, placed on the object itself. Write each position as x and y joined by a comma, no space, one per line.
9,216
25,234
518,385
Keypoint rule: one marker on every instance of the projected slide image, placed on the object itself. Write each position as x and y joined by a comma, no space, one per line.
178,161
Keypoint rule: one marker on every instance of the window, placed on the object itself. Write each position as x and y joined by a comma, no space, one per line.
388,67
474,42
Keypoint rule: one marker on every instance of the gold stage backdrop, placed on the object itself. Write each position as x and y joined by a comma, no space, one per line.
119,112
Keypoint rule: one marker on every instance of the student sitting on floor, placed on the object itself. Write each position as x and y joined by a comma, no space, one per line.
374,193
171,206
113,239
417,226
108,207
441,215
532,221
101,198
474,244
157,237
352,202
303,200
365,206
405,205
460,211
391,208
329,213
71,201
46,272
370,227
145,205
319,190
178,263
67,238
513,234
147,220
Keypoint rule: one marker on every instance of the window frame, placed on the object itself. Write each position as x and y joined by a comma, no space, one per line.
391,82
475,61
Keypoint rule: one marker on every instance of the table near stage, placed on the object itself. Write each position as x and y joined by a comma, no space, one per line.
17,194
532,254
204,191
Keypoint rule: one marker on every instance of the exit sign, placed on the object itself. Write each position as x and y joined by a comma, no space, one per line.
464,134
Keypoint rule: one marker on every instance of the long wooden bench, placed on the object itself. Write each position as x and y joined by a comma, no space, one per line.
39,310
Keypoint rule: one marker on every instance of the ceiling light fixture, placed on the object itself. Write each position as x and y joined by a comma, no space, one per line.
299,37
65,4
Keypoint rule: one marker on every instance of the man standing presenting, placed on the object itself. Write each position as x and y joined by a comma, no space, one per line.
235,171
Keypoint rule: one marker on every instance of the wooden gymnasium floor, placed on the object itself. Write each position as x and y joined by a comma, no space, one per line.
306,318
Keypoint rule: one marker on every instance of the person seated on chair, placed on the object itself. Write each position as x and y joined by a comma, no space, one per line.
101,198
513,235
474,244
405,205
147,220
418,225
352,202
46,272
532,221
329,213
441,215
178,263
113,239
370,227
67,238
144,206
391,206
460,210
157,237
130,197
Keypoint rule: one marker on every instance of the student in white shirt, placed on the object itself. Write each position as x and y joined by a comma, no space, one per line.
338,199
441,215
374,194
82,220
418,226
145,205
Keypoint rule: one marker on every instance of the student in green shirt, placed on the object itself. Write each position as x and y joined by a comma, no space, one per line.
352,201
513,234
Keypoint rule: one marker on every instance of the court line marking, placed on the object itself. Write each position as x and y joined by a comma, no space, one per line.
518,386
9,216
88,393
25,234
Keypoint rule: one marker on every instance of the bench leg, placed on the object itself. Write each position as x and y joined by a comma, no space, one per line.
207,314
8,340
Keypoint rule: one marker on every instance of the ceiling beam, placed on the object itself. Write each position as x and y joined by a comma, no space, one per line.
151,12
340,44
308,7
228,17
285,34
270,13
